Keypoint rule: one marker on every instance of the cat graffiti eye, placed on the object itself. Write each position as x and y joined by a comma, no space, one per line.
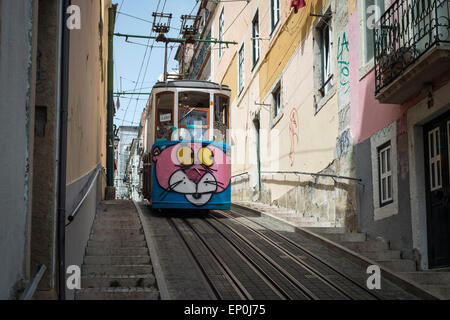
185,156
206,156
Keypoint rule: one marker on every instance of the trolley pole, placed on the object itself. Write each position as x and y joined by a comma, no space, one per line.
110,192
165,62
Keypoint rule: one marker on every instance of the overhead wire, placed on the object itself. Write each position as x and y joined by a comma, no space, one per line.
148,62
141,67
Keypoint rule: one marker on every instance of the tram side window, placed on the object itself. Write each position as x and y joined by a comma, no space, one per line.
220,116
164,115
193,111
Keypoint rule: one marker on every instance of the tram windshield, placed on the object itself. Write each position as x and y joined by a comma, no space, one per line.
193,113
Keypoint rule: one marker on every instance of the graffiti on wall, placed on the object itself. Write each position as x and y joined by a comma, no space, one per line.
194,170
343,60
343,143
293,134
41,74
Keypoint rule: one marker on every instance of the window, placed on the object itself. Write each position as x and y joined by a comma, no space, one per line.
221,104
274,13
326,73
434,143
255,38
276,98
221,31
193,115
373,10
164,115
241,70
385,174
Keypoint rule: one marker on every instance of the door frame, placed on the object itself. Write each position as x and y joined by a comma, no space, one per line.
441,121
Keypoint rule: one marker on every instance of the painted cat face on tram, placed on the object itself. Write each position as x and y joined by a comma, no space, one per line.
195,169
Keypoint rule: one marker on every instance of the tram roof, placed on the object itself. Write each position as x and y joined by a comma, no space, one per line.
197,84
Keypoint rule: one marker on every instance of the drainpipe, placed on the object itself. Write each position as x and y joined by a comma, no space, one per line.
110,193
64,107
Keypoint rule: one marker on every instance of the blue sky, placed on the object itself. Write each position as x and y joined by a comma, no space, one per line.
132,62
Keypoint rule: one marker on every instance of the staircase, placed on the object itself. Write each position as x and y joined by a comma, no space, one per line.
117,264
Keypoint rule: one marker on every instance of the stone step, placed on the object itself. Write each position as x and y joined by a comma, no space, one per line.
117,231
116,228
399,265
116,260
124,214
429,277
104,269
117,294
382,255
326,230
366,245
347,237
116,237
131,251
117,218
118,223
118,243
123,281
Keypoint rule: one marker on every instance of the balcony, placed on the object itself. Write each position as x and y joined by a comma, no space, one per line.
412,48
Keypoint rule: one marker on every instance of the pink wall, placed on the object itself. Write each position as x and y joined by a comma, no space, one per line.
368,116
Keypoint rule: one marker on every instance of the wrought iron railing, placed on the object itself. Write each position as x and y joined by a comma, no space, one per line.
197,60
406,31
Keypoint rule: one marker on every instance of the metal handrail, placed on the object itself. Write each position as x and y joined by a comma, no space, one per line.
31,290
239,175
71,217
312,174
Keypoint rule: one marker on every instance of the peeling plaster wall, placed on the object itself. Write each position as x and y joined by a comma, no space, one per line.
17,76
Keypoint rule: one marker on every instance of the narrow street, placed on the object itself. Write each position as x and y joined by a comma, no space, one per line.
170,151
242,255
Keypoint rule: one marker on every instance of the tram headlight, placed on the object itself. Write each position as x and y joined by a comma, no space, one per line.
206,156
185,156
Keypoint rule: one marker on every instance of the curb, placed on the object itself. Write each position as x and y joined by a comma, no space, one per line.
160,280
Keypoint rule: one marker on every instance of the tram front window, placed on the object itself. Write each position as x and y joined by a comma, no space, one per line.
193,111
164,115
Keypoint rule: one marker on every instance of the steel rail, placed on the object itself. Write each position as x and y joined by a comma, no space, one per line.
308,294
31,289
334,176
283,295
303,249
240,290
72,216
298,262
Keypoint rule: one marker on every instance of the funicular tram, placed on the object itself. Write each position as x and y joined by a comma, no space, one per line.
187,163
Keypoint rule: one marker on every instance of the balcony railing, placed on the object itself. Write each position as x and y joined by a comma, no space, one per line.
407,31
198,60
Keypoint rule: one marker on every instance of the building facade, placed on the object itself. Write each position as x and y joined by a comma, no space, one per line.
126,135
353,88
290,105
399,102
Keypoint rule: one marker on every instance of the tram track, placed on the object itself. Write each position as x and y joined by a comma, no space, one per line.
303,257
241,262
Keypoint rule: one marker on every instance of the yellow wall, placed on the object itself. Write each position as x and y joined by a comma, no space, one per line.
288,56
87,90
292,34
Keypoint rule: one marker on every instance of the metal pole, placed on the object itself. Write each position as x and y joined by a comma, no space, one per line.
165,62
62,173
110,104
